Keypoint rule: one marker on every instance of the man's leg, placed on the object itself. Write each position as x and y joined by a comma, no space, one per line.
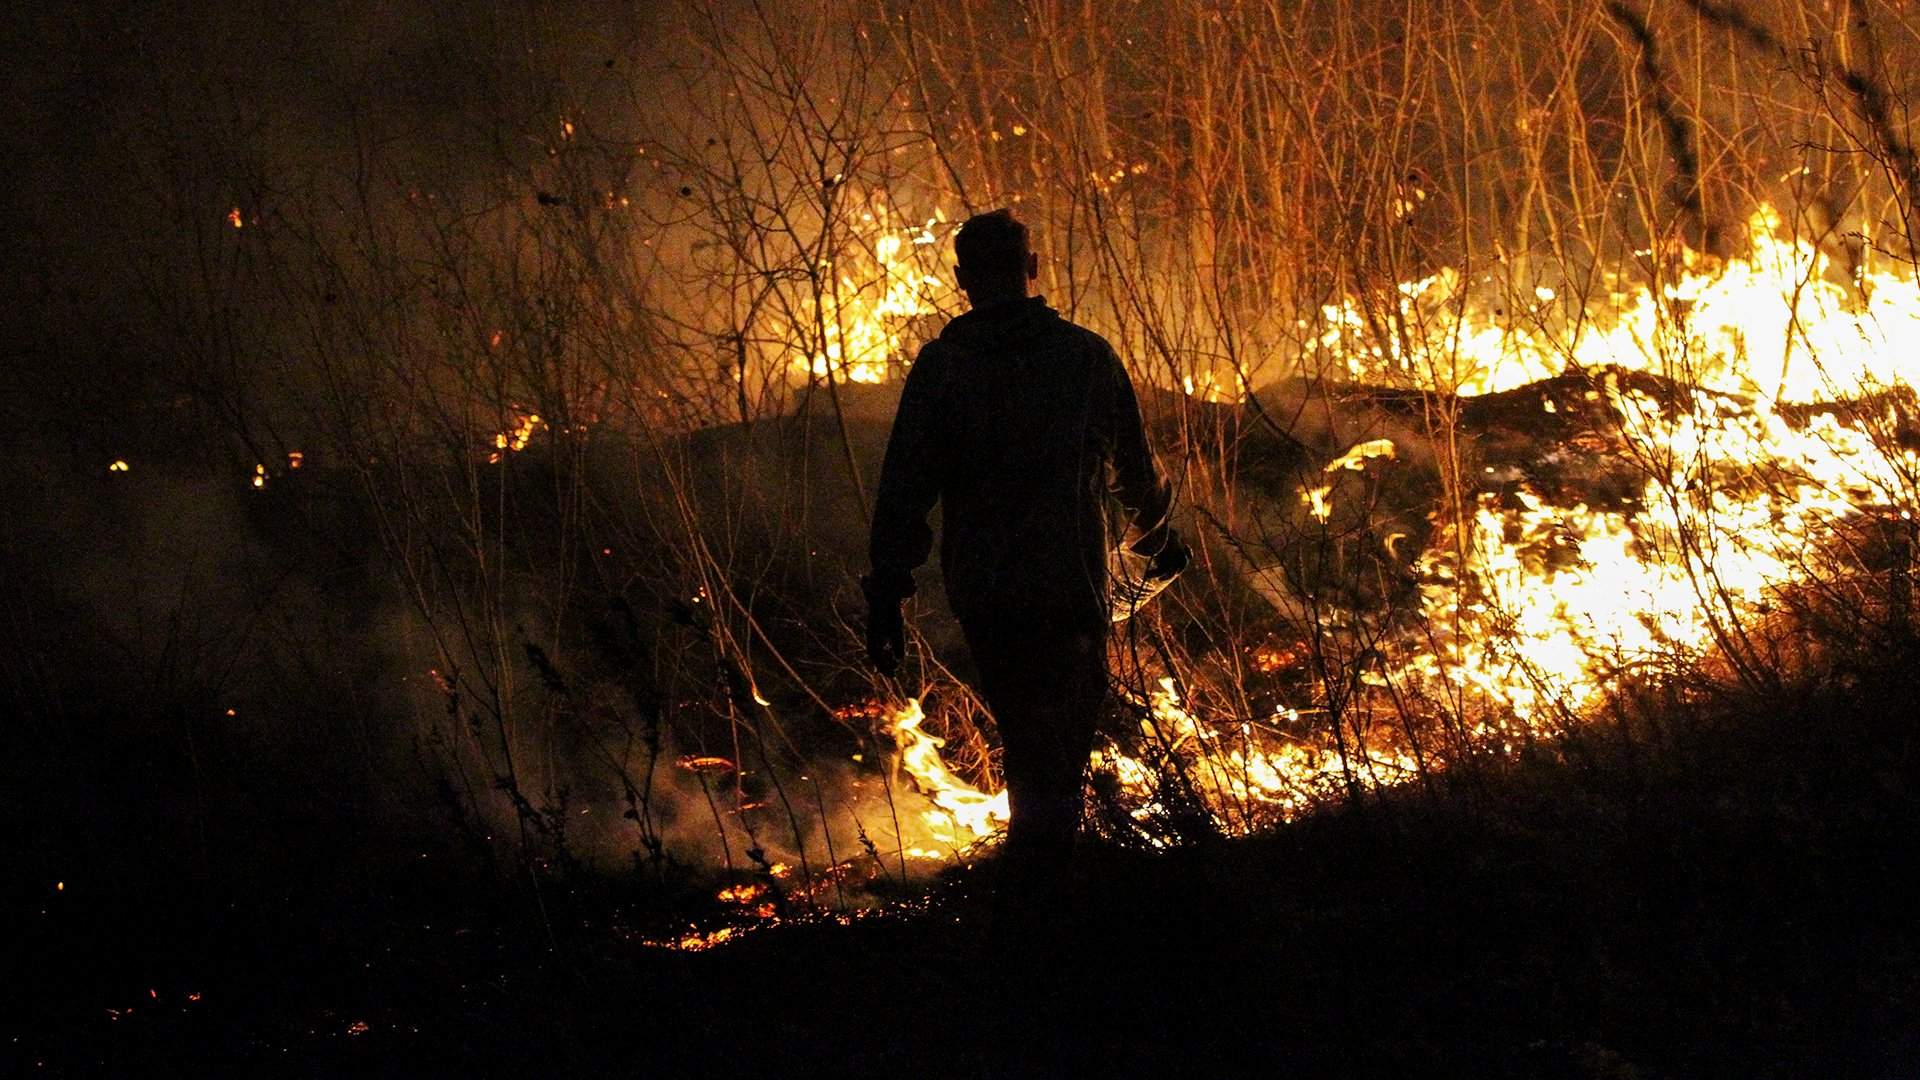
1046,691
1046,687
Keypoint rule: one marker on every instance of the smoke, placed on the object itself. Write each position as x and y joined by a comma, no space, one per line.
194,671
386,238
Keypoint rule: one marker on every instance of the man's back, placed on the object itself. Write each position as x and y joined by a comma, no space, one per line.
1022,424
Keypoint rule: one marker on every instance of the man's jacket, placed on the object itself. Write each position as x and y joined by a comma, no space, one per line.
1025,427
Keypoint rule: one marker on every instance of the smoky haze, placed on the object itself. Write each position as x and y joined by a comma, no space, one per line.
136,128
454,284
161,615
235,229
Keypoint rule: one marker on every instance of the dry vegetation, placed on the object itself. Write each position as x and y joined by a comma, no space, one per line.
607,399
636,367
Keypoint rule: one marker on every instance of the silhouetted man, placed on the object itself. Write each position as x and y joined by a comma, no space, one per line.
1025,427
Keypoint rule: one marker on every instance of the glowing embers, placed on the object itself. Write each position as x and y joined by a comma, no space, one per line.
1356,458
754,897
1271,657
514,440
696,940
296,460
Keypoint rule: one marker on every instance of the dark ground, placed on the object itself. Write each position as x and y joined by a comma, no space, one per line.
1739,901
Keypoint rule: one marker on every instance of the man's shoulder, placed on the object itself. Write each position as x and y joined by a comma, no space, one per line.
932,371
1080,338
935,357
1102,357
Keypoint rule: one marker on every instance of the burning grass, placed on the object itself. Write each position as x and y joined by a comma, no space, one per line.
1524,618
1489,408
1543,410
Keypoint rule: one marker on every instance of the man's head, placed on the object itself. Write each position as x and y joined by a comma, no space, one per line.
995,260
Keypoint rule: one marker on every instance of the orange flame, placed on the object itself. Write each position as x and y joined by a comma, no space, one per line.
962,813
1740,488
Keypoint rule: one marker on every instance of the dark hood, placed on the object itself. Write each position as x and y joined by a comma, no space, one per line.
1002,326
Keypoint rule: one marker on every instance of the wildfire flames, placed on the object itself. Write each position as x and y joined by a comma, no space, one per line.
1790,371
1738,492
1757,400
1533,610
961,814
516,440
855,321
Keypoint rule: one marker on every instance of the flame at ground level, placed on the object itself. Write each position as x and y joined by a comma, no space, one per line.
1532,604
961,813
1763,408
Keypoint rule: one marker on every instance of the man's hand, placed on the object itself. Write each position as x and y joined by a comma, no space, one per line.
886,637
1172,559
886,628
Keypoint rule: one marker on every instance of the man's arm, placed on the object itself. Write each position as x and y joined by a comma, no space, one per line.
1136,480
909,482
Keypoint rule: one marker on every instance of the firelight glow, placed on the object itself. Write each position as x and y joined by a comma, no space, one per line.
1740,490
